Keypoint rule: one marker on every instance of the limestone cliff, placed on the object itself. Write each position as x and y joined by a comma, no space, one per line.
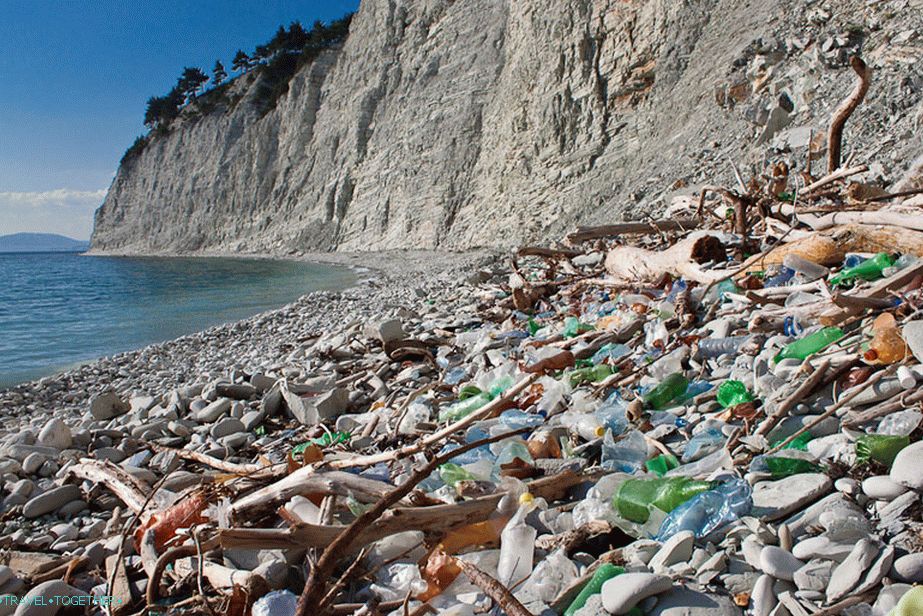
456,123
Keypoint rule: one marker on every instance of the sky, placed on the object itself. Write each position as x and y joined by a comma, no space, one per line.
75,76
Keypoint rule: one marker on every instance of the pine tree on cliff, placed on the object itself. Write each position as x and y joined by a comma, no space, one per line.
241,61
218,73
191,81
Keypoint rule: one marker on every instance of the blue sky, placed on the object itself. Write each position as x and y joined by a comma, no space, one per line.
74,79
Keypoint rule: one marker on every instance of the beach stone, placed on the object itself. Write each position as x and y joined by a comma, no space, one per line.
847,486
6,574
876,572
775,499
51,592
387,330
815,575
821,547
778,563
179,429
33,462
679,601
763,598
226,427
72,508
213,411
888,598
112,454
912,333
49,501
55,434
906,468
625,591
251,420
676,549
909,568
848,573
108,405
880,487
323,407
237,391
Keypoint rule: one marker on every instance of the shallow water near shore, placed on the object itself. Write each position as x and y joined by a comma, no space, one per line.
60,309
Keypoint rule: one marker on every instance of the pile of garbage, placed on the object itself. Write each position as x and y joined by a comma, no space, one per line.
712,413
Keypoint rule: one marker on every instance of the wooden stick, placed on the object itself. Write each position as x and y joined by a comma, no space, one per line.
796,396
885,408
583,234
130,490
493,589
315,589
835,407
846,109
831,177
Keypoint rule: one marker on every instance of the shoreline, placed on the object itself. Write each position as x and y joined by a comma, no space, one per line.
379,276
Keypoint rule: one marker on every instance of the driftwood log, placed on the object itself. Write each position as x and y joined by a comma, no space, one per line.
632,264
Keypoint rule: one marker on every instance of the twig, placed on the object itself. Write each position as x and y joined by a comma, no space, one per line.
405,406
796,396
314,590
846,109
493,589
835,407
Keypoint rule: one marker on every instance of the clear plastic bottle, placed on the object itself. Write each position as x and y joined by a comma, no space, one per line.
709,348
708,511
809,270
627,455
276,603
517,546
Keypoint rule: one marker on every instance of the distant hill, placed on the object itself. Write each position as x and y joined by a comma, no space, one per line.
40,242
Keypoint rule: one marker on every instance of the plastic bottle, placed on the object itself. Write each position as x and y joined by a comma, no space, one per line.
881,448
709,348
603,574
517,546
780,466
573,327
661,464
610,351
731,393
781,278
627,455
612,415
802,348
887,345
514,419
276,603
668,390
634,498
799,443
589,375
703,443
870,269
809,270
708,511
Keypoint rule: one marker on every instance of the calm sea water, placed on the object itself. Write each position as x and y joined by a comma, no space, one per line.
60,309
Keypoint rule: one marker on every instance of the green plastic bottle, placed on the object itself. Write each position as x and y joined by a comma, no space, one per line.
573,327
661,464
668,390
453,473
784,467
881,448
634,498
800,442
870,269
731,393
603,574
592,374
800,349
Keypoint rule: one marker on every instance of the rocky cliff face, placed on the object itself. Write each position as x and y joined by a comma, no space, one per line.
450,124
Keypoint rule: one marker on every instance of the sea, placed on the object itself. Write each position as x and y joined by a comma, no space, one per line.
58,310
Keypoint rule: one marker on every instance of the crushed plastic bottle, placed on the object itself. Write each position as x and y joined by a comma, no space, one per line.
603,574
810,344
276,603
709,348
708,511
626,455
636,497
780,279
662,464
610,352
573,327
703,443
668,390
881,448
517,546
780,466
808,270
592,374
731,393
870,269
471,398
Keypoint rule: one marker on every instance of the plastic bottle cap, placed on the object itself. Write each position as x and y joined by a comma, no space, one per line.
526,498
599,431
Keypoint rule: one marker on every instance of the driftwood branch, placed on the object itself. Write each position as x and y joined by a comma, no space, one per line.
493,589
129,489
846,109
632,264
583,234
